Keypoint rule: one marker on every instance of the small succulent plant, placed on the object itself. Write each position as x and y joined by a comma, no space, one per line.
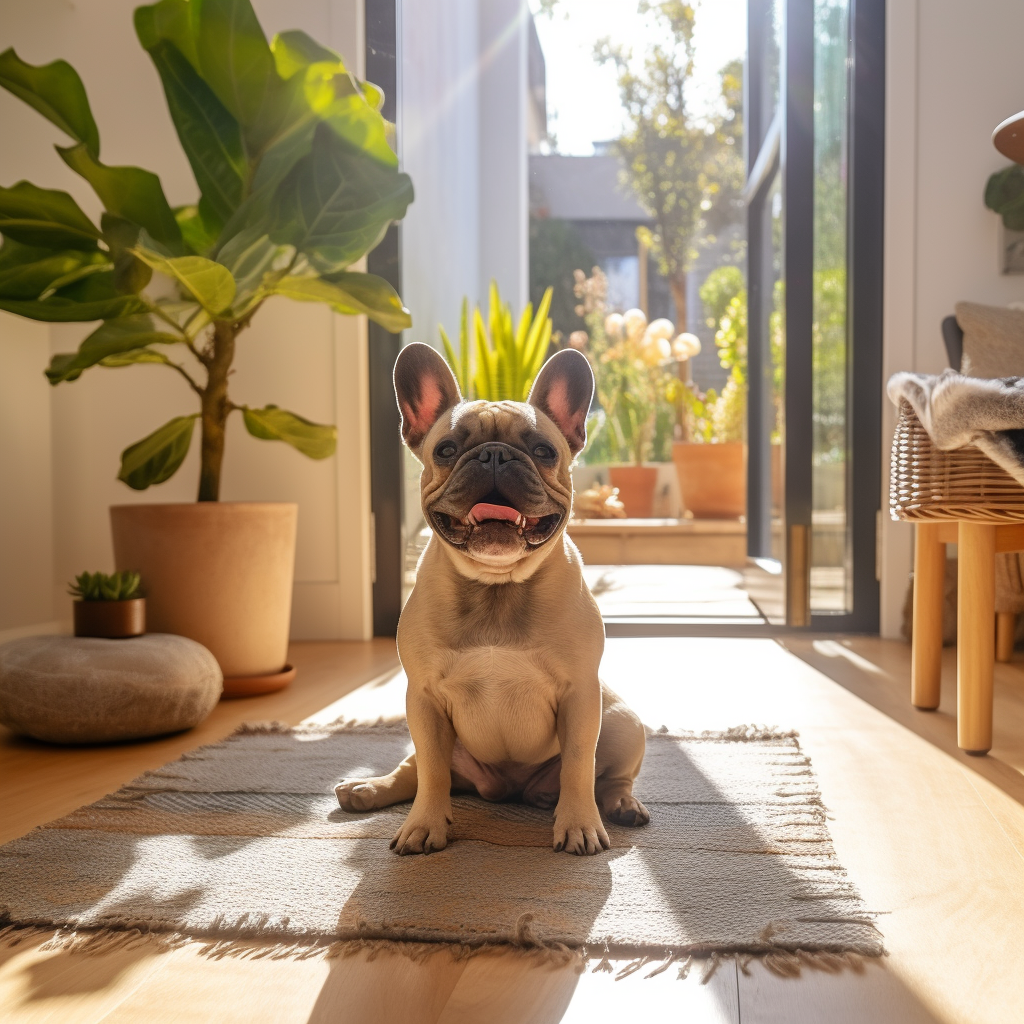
98,586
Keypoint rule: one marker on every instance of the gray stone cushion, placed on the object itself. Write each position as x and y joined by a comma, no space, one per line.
993,340
67,689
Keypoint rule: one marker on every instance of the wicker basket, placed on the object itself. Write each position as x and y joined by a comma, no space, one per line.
927,483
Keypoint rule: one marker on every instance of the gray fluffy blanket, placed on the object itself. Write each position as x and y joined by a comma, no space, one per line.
958,411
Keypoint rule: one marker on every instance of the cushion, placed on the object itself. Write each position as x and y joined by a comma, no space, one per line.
993,340
68,689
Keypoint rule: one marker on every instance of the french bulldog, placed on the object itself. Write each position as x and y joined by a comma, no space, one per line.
501,639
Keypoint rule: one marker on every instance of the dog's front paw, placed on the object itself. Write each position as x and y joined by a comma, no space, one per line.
628,811
580,832
424,830
355,795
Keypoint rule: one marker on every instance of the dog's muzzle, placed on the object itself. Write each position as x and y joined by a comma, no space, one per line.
494,493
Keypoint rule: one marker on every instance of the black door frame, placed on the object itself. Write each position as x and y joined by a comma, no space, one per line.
386,458
786,144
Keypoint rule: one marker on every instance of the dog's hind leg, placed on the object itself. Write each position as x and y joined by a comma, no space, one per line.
617,803
371,794
620,752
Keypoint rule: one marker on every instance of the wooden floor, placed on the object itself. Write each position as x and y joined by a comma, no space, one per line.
934,840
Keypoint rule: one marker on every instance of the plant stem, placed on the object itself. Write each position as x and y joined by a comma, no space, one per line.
215,409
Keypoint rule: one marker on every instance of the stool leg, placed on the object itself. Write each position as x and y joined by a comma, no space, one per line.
975,655
1006,626
929,597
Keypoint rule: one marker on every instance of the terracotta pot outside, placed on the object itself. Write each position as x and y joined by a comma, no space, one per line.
712,478
636,486
219,573
111,620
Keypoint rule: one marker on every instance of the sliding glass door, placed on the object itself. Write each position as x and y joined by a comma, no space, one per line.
815,110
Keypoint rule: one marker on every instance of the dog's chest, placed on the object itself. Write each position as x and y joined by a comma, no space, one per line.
503,703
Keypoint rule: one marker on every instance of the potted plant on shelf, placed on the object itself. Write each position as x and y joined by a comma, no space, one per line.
297,182
633,362
711,462
108,606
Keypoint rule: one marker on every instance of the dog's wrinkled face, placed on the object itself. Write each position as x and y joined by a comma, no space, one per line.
496,487
496,480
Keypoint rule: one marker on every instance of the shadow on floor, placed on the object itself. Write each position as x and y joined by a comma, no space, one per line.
878,672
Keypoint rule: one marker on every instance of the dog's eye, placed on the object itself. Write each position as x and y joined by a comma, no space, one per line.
544,451
445,450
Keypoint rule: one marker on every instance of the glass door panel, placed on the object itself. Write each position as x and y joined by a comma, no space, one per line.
830,576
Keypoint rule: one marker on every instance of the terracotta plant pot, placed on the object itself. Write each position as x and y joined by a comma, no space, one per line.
112,620
636,488
712,478
219,573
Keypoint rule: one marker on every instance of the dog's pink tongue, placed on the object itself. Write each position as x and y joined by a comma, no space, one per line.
483,511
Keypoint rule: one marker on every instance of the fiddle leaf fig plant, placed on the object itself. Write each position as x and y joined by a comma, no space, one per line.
297,181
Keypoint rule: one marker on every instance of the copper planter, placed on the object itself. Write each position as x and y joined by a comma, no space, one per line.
112,620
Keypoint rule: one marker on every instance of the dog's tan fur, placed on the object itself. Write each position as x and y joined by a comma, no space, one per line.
501,640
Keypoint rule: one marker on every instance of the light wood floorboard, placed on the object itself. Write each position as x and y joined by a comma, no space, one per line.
934,840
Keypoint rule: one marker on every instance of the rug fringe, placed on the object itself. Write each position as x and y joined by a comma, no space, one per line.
740,733
784,963
391,724
397,723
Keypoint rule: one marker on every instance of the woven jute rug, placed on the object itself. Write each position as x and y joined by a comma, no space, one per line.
243,841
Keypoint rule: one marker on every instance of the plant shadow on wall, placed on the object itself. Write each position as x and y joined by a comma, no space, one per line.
297,182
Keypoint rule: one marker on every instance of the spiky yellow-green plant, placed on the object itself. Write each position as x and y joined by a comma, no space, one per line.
498,362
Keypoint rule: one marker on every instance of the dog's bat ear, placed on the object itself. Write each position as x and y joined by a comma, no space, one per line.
425,388
563,391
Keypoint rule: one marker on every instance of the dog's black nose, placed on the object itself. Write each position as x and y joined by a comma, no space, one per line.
497,453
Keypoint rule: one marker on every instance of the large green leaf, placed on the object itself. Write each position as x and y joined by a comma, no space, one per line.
114,337
330,92
26,272
234,59
350,292
210,136
95,297
56,91
128,192
249,257
156,458
317,440
136,355
131,275
199,232
61,368
336,203
169,20
45,217
315,91
210,283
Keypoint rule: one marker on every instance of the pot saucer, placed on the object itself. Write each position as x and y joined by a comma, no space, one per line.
254,686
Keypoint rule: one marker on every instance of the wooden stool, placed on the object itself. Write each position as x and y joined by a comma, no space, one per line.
960,497
982,636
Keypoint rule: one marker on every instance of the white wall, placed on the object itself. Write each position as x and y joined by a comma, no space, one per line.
439,139
953,73
299,356
462,118
26,496
504,198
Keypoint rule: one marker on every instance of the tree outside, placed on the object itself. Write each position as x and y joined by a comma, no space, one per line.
685,167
